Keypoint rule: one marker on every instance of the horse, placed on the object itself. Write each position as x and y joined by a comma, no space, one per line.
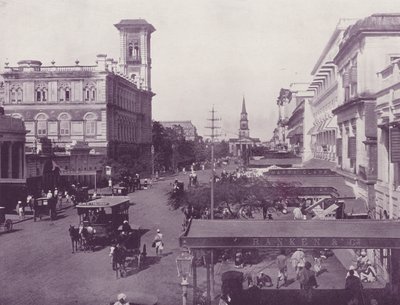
75,238
119,257
87,238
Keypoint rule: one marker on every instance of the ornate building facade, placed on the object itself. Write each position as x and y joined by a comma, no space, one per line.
12,160
107,105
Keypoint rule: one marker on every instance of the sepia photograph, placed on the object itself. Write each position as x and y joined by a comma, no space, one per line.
214,152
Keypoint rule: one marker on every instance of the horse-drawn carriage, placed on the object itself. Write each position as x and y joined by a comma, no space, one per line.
120,190
104,215
5,224
127,254
44,207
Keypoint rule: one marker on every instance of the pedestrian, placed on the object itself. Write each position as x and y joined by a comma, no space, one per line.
355,273
158,242
297,214
67,197
110,184
317,262
281,261
369,274
121,300
49,195
298,258
20,210
354,288
308,282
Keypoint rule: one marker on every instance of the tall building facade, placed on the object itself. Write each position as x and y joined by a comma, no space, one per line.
324,131
107,105
241,146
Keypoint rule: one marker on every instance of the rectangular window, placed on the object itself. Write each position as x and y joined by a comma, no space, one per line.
42,128
38,96
87,93
90,128
77,128
64,128
52,128
93,95
67,95
44,97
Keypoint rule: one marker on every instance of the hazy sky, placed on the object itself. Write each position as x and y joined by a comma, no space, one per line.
204,52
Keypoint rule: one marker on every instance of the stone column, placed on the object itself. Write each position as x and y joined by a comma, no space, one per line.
10,146
21,157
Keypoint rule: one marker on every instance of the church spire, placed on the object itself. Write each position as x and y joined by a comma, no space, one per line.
244,106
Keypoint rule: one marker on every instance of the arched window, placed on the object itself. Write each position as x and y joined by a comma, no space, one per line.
41,93
90,124
41,124
17,116
65,124
89,92
64,91
16,94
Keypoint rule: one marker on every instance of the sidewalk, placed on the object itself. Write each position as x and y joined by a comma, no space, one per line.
29,214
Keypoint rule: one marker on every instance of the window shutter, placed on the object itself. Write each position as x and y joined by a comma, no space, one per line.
395,145
353,75
339,147
352,148
346,79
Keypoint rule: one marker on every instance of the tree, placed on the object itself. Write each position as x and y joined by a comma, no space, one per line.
235,195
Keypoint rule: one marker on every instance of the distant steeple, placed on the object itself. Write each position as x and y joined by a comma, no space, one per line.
244,123
244,106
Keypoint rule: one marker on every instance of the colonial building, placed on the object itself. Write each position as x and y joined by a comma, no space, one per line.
242,145
188,129
107,105
295,123
12,160
321,142
387,187
368,47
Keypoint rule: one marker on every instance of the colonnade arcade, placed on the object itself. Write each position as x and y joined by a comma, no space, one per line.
325,145
12,156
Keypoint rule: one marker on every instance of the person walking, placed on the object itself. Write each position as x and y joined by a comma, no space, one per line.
158,242
353,288
308,282
281,261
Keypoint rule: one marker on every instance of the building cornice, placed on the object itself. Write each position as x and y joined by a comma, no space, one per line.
352,103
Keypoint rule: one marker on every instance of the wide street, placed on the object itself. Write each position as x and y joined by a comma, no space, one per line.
37,266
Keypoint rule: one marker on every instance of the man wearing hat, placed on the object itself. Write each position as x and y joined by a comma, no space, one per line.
126,228
121,299
159,245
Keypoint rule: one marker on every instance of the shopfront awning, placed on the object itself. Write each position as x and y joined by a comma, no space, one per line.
331,124
308,234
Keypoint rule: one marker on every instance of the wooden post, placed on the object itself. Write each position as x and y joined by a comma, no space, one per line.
194,269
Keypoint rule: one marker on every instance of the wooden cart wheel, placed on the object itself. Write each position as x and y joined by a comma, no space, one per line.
8,225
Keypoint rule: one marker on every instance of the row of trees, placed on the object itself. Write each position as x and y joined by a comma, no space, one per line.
171,151
235,195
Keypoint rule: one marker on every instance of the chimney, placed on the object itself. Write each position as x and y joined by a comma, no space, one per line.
101,62
109,64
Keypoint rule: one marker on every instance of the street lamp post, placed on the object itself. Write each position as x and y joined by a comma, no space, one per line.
152,162
184,266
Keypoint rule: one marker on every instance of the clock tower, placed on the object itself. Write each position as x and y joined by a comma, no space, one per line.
135,55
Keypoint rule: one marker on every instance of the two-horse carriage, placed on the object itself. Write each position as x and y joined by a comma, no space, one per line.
44,207
101,223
